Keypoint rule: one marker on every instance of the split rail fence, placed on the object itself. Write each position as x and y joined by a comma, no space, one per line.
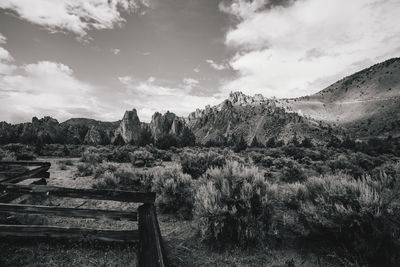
148,236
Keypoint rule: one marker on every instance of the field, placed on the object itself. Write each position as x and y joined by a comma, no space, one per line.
292,205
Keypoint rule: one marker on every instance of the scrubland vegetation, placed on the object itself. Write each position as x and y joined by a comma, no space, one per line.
344,196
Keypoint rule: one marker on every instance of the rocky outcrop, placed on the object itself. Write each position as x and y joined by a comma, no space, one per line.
162,125
252,118
129,129
97,136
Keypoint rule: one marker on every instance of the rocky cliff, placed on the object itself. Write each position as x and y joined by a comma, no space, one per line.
252,118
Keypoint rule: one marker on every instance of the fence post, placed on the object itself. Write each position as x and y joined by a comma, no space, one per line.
151,249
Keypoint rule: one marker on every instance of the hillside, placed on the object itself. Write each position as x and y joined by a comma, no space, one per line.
367,103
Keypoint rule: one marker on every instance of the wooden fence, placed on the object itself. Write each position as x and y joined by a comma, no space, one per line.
148,236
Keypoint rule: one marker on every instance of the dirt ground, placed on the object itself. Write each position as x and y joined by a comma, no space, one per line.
182,245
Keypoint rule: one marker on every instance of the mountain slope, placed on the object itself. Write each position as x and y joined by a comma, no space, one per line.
367,103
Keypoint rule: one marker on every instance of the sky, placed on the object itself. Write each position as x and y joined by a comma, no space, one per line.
98,58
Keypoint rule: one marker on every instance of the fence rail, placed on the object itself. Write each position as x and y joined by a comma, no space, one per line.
148,236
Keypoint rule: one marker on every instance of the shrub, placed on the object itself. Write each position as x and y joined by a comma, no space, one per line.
122,154
84,169
67,162
293,173
240,144
91,157
230,205
343,164
359,214
141,158
6,155
63,166
174,191
108,181
100,169
196,164
166,141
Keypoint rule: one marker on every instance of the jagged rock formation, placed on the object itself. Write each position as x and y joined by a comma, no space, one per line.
129,129
253,118
167,124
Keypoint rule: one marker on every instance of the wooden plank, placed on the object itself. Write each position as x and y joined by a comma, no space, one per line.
42,231
100,194
26,163
27,175
151,249
68,212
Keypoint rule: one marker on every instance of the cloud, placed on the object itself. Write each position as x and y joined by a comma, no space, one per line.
197,69
215,65
298,49
153,95
190,83
3,39
115,51
46,89
77,16
146,54
6,66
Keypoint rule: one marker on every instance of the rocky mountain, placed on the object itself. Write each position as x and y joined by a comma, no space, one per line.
253,118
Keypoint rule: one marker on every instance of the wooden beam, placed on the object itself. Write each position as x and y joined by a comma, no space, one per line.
27,175
68,212
25,163
100,194
42,231
151,248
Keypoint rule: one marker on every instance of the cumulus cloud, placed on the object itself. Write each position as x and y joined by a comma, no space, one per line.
293,50
215,65
190,83
46,89
6,66
153,95
77,16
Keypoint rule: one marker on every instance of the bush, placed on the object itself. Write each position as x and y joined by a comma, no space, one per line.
166,141
196,164
84,169
100,169
361,215
293,173
231,205
343,164
122,154
141,158
108,181
91,157
174,191
67,162
6,155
